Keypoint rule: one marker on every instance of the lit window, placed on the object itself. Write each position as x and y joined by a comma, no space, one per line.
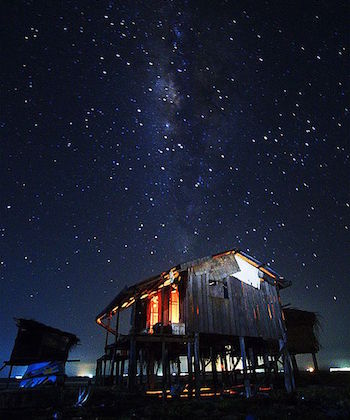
174,306
154,312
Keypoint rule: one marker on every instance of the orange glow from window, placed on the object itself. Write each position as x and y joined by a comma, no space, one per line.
174,306
270,314
154,312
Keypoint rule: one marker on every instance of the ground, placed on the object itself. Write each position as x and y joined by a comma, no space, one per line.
318,396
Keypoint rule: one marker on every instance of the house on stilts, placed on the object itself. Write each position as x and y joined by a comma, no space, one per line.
205,327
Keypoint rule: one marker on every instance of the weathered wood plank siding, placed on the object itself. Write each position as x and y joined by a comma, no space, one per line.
241,310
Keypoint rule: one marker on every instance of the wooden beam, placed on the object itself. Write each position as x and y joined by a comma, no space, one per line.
107,332
189,368
151,338
314,359
162,311
288,372
164,370
132,364
9,377
203,370
213,368
196,365
122,368
253,363
132,368
114,362
141,358
248,393
117,326
117,371
150,370
294,364
106,344
178,365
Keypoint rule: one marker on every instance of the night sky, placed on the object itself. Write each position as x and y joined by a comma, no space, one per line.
136,135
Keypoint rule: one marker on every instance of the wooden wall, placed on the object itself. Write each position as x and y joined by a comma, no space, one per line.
243,311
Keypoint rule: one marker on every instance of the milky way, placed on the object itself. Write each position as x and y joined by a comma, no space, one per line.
139,134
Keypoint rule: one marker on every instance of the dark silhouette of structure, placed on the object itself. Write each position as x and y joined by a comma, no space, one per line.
43,349
302,334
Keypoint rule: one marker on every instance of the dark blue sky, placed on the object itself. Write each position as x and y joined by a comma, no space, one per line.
136,135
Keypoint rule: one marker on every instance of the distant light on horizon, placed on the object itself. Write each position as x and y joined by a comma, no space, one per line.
86,374
310,369
336,369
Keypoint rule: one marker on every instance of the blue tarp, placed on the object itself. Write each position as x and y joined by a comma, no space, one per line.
42,373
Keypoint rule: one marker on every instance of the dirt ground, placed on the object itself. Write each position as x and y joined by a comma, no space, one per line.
321,396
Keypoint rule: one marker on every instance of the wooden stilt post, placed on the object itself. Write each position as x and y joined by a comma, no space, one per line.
178,364
168,368
227,374
148,369
294,364
98,373
178,368
111,370
107,332
105,356
132,363
164,370
287,365
288,373
141,366
213,368
122,368
234,365
252,359
115,359
266,364
104,369
275,364
189,368
245,372
203,370
151,370
223,373
196,365
132,367
117,369
267,369
9,377
314,359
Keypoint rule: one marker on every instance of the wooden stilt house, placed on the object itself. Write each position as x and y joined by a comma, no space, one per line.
202,327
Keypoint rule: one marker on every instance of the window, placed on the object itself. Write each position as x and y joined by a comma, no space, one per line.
174,306
153,312
218,288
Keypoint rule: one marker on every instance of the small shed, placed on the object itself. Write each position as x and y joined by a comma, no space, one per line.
222,313
302,334
43,349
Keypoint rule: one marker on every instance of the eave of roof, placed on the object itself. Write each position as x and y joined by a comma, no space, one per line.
33,325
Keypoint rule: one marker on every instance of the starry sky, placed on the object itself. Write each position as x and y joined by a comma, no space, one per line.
137,135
